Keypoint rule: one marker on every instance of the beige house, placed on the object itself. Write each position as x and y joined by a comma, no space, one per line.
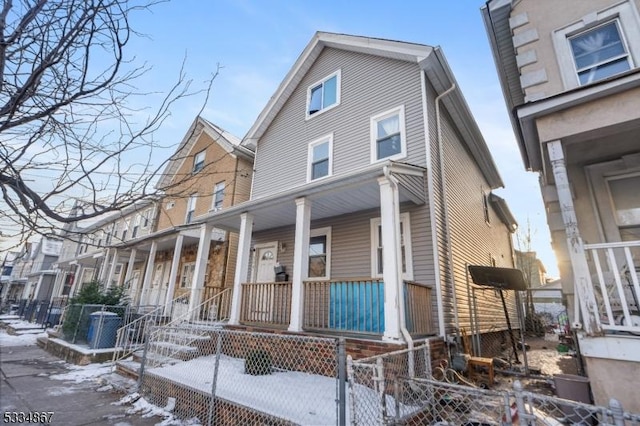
187,264
570,77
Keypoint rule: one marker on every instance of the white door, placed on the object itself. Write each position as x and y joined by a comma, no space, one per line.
266,256
261,297
156,282
164,284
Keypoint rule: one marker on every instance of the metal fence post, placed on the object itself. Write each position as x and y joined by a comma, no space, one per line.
522,413
143,362
616,412
379,380
215,378
351,378
342,382
75,332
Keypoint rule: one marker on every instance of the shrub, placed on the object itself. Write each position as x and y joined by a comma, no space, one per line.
258,363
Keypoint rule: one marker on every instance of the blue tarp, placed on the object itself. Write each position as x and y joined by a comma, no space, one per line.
357,306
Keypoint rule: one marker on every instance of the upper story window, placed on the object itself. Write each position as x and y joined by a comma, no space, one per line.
191,208
218,196
146,217
324,94
388,140
136,226
599,45
319,162
198,161
599,53
124,230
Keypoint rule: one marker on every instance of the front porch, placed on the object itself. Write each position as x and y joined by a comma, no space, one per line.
353,307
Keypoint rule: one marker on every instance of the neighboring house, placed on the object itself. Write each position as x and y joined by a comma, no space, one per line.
89,249
547,301
532,268
210,171
18,278
570,78
5,278
372,191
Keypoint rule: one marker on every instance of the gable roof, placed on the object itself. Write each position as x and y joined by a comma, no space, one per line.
226,140
430,59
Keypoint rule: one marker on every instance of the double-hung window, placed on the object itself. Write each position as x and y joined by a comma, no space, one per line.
599,52
388,140
218,196
319,162
324,94
320,253
187,274
595,47
198,162
191,208
377,249
136,226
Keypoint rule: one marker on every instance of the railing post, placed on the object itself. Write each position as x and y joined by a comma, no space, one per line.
143,362
342,382
617,412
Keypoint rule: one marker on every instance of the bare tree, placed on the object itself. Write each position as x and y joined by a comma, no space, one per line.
72,123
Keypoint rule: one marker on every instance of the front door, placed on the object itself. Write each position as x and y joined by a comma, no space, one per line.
261,296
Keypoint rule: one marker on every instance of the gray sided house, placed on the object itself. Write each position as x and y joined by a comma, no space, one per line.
372,191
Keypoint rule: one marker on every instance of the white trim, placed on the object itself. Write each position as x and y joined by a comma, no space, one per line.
405,219
338,75
318,232
325,139
399,110
627,16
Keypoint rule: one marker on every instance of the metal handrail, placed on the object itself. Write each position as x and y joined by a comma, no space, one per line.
188,316
126,343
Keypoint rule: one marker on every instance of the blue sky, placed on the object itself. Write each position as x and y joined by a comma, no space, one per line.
256,42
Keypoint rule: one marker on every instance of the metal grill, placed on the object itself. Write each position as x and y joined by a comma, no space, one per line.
222,376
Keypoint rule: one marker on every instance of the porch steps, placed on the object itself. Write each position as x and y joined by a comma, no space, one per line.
156,358
127,368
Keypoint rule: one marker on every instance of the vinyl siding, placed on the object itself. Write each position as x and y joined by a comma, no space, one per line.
473,241
369,85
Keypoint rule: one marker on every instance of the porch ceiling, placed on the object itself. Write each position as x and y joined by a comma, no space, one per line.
330,197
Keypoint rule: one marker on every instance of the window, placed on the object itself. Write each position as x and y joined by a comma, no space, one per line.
324,94
145,218
191,208
320,153
136,225
187,274
405,247
485,207
599,53
320,253
218,196
124,230
594,47
388,135
198,162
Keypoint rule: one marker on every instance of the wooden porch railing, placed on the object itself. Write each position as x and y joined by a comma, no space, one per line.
418,311
615,278
266,304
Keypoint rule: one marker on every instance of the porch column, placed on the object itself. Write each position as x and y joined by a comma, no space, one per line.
112,268
581,277
102,275
242,265
201,265
75,287
300,262
148,272
175,263
391,257
129,272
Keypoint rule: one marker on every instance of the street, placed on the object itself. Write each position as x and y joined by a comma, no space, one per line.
34,381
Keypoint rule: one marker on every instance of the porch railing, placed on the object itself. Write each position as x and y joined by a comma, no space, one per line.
615,270
212,310
132,335
418,308
266,304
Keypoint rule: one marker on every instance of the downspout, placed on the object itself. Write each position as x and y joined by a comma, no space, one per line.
400,283
445,210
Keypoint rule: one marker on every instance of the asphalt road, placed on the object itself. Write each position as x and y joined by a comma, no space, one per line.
26,386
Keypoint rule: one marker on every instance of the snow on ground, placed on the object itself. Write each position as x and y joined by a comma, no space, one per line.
27,339
79,374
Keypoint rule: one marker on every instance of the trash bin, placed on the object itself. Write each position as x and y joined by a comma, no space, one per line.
53,318
103,329
574,388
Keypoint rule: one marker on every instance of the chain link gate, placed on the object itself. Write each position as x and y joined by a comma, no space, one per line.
227,376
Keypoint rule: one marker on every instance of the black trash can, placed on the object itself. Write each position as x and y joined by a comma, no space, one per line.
103,329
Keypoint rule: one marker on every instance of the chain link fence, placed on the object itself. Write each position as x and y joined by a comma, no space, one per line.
373,384
222,376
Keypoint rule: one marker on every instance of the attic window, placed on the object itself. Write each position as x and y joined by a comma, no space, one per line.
198,162
324,94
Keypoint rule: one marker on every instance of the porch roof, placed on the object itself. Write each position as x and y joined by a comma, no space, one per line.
333,196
